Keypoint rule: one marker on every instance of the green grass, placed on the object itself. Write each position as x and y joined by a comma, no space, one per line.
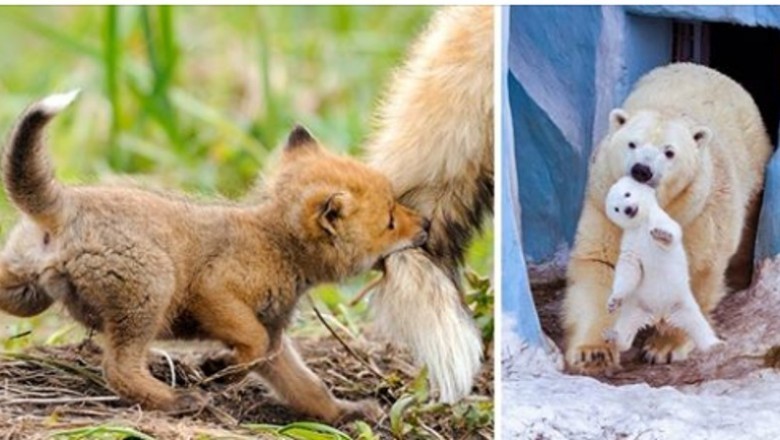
197,98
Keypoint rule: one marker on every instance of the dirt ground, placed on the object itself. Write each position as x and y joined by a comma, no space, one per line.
732,391
742,319
49,389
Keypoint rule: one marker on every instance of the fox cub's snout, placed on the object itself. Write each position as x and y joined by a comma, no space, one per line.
343,205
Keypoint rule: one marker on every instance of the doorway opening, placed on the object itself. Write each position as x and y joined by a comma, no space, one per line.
749,55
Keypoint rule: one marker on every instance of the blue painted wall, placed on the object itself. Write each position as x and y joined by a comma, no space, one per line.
517,303
550,107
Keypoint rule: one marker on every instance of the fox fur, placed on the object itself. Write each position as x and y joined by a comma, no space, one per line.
435,143
138,265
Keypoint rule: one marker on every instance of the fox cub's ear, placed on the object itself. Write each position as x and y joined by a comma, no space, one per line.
300,140
330,212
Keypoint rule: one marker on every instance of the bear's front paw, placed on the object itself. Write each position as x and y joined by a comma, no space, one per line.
613,304
661,236
594,359
665,348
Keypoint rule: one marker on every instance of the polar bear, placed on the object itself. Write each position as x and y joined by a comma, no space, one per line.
698,138
651,282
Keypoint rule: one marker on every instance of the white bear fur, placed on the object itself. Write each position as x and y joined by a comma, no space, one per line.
651,281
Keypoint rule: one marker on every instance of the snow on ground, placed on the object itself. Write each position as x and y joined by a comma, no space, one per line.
558,406
540,402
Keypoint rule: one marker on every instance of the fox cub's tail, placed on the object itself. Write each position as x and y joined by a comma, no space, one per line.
28,175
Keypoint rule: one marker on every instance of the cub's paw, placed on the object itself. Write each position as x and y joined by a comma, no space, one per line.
665,348
367,409
610,336
614,304
711,344
189,401
594,359
661,236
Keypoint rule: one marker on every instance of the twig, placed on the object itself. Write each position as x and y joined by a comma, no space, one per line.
223,416
20,335
346,346
57,400
365,290
57,364
169,360
240,368
431,431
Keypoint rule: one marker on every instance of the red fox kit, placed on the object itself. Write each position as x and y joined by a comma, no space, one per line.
138,265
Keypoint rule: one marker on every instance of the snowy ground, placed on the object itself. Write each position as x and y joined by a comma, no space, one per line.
735,398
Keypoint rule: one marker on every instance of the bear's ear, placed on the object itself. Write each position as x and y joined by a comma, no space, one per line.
617,118
701,135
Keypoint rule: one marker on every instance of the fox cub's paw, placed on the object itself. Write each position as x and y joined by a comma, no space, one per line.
189,401
367,409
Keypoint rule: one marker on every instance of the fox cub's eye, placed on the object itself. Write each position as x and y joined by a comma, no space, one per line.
632,145
391,225
627,194
669,154
617,209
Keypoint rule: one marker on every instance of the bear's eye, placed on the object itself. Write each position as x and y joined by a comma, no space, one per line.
669,154
617,209
627,194
632,145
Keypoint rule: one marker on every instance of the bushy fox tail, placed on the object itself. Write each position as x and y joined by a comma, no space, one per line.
418,304
435,143
27,173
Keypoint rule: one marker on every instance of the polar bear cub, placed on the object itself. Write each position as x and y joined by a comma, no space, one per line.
651,281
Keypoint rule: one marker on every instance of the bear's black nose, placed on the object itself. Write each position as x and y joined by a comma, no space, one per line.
631,211
641,173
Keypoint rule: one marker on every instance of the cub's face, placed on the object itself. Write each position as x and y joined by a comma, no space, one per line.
344,206
660,152
628,202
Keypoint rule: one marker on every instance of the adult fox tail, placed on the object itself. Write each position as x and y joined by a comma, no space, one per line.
435,144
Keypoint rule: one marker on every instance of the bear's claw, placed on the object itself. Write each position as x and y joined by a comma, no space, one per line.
661,236
593,360
665,348
613,304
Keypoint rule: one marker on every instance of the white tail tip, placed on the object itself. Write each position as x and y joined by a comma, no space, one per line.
55,103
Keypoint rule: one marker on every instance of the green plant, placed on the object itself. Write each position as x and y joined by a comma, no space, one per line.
105,432
300,431
480,298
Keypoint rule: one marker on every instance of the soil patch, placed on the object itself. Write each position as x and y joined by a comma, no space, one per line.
46,389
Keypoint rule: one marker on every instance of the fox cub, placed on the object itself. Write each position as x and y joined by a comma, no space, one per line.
138,265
